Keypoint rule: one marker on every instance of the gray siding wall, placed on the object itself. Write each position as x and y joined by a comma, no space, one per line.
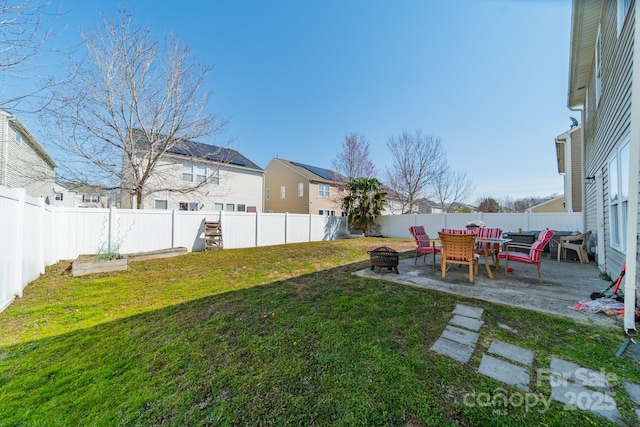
25,168
576,170
607,123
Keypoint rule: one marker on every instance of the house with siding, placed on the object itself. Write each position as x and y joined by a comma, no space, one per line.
569,157
299,188
603,70
79,196
193,176
24,163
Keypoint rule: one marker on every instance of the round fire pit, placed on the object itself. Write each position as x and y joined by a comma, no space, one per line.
384,257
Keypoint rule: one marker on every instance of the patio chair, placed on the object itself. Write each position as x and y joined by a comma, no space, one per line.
492,248
575,243
535,251
424,245
458,249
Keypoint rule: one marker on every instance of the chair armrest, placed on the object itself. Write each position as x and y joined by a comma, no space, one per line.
517,245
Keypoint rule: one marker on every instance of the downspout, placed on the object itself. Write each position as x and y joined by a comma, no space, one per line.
634,170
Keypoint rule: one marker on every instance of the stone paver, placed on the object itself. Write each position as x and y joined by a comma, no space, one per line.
579,375
461,336
460,352
503,371
467,311
512,352
466,322
580,397
633,390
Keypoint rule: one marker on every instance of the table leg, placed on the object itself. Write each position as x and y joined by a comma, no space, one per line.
486,261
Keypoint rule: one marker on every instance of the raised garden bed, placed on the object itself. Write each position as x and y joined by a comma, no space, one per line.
89,264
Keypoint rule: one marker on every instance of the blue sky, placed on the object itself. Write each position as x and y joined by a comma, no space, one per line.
488,77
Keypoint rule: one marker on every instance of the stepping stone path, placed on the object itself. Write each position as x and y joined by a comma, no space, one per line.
460,337
574,386
506,370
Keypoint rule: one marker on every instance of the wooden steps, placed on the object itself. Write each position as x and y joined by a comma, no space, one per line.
212,235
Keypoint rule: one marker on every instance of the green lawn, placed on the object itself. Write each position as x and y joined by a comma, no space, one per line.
277,336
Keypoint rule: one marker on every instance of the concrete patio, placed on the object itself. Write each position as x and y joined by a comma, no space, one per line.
564,284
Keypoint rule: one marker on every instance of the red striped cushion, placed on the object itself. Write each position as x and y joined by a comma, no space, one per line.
455,231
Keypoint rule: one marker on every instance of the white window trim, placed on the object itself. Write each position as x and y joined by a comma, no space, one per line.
211,174
300,189
191,206
618,223
324,190
283,191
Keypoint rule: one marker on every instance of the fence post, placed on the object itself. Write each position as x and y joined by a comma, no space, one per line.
257,228
15,279
174,225
286,227
41,233
110,228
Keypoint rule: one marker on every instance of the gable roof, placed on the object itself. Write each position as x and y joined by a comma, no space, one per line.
18,125
314,172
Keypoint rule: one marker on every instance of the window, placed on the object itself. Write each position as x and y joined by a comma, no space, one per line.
323,190
268,194
282,192
326,212
201,173
188,206
160,204
18,137
623,9
187,173
217,207
214,176
619,196
300,189
90,198
241,208
231,207
59,196
598,65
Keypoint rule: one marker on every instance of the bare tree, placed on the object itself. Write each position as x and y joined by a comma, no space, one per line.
353,161
132,101
450,189
25,28
416,160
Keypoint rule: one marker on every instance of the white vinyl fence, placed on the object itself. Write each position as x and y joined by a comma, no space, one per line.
398,225
34,235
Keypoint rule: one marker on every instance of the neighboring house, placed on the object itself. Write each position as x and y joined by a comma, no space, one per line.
79,196
569,155
603,70
557,204
23,161
234,183
298,188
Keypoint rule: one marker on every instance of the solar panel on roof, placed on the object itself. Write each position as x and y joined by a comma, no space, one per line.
323,173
